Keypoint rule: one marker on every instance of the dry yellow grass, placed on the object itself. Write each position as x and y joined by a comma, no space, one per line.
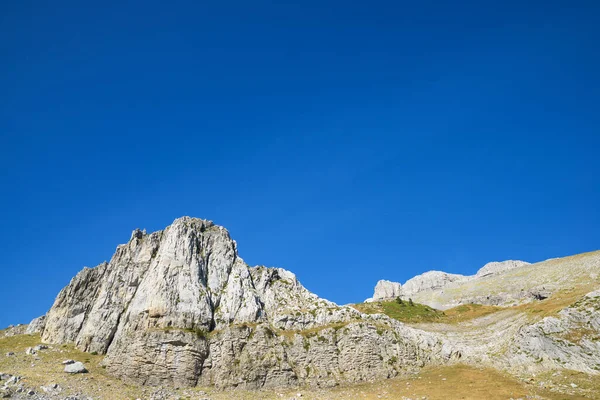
452,382
558,301
468,312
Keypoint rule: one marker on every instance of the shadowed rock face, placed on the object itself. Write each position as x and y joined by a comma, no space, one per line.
180,307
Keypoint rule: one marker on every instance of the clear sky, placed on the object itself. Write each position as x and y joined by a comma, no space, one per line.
345,141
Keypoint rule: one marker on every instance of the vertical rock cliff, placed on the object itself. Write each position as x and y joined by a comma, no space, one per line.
179,306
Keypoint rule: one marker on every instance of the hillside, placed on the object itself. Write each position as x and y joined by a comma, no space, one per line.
179,308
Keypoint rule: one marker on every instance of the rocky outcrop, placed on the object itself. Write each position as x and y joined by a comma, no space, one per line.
13,330
426,285
386,290
521,284
569,340
36,325
495,267
180,307
429,281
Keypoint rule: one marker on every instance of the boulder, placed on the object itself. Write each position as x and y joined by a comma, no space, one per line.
75,368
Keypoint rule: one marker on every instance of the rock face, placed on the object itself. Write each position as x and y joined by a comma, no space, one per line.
437,280
495,267
180,307
36,325
570,340
428,281
386,290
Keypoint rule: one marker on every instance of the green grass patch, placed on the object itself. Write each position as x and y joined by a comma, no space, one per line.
404,311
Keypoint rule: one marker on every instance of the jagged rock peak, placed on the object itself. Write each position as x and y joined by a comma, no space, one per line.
187,276
179,306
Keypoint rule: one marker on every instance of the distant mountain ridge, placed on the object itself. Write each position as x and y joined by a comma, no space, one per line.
432,280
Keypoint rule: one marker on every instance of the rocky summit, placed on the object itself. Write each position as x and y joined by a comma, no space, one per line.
179,308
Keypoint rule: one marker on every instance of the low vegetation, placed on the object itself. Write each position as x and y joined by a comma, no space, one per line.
468,312
558,301
419,313
408,312
405,311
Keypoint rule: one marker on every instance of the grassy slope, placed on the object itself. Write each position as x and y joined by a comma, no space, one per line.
401,311
554,274
420,313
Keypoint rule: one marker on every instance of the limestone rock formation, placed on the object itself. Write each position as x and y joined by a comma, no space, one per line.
180,307
569,340
36,325
13,330
493,268
519,284
428,281
386,290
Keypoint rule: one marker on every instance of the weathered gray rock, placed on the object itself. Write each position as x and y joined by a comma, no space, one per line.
36,325
493,268
75,368
385,290
429,281
13,330
181,307
425,284
13,380
569,340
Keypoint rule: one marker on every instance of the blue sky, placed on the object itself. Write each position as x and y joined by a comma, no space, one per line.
348,142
